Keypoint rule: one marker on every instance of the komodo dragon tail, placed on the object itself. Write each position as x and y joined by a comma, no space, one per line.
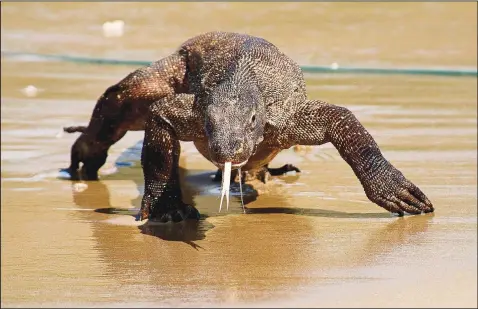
80,129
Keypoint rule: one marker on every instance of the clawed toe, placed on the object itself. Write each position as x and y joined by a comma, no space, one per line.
404,203
177,215
397,194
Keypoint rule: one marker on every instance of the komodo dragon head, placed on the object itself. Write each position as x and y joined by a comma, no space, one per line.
234,121
235,117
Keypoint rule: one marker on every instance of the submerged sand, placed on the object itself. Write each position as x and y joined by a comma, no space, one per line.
309,240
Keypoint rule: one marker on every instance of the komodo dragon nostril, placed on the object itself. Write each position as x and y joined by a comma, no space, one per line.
216,149
239,147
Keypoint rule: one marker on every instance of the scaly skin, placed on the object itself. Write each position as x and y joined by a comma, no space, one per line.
122,108
238,99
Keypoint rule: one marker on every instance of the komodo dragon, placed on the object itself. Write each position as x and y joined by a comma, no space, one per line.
239,100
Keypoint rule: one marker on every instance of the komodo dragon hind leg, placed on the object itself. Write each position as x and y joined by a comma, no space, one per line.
279,171
121,108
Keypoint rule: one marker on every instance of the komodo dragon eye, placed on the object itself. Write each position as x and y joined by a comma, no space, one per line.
253,120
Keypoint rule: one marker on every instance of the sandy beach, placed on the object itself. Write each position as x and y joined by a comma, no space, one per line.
308,240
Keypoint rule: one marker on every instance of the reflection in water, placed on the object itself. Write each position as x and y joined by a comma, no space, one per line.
283,247
97,193
186,231
398,232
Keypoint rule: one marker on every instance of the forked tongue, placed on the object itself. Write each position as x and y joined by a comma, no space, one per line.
240,189
226,182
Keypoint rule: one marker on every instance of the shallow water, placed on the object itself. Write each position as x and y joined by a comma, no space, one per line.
309,239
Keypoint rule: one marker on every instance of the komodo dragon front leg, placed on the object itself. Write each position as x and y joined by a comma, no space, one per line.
316,123
121,108
170,120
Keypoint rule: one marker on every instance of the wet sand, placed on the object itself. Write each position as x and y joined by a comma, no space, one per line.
309,240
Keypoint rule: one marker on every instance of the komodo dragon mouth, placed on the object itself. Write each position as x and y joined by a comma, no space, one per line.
226,182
